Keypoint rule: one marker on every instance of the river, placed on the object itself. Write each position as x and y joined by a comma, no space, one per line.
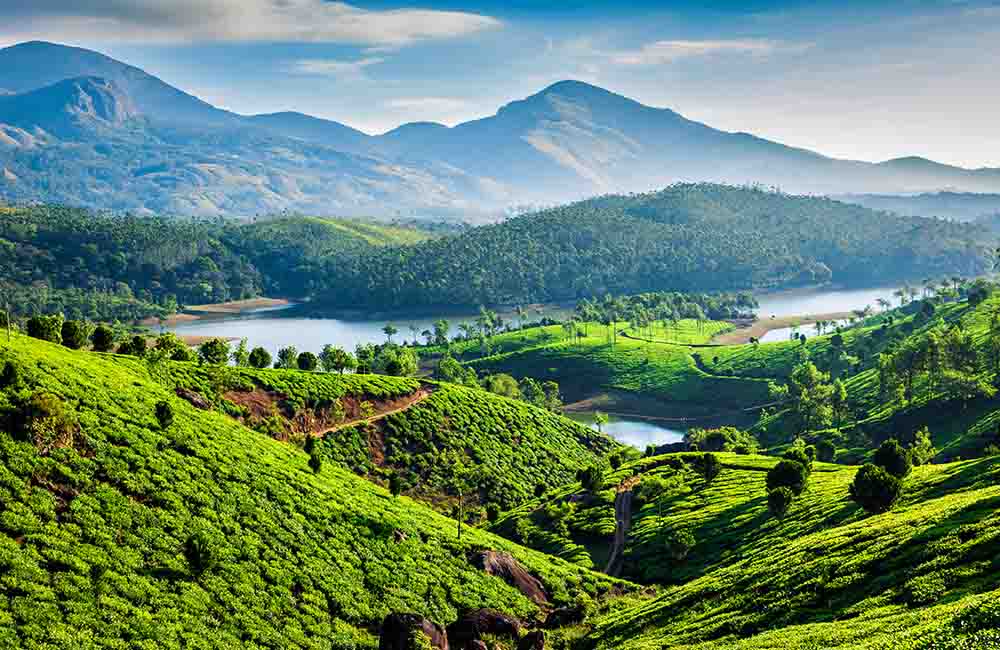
632,431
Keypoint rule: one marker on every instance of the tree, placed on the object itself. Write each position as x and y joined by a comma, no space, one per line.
365,354
553,401
891,457
922,450
591,479
778,501
798,454
389,331
306,361
337,359
875,489
10,376
75,334
502,384
450,370
135,346
711,467
679,543
48,422
315,461
789,474
46,328
826,451
441,329
395,484
259,358
288,358
164,414
600,419
103,339
214,352
241,355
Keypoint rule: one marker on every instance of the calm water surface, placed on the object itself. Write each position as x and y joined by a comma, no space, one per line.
272,331
635,432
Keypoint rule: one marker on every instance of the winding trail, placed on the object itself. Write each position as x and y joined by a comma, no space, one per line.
411,400
623,522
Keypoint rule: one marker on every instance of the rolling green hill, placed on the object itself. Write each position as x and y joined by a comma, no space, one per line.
118,531
700,237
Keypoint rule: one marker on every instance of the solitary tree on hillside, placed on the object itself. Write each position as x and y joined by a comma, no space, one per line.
875,489
164,414
259,358
103,339
891,457
214,352
600,419
306,361
288,358
389,331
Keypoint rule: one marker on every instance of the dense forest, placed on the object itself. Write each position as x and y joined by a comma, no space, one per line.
700,237
689,238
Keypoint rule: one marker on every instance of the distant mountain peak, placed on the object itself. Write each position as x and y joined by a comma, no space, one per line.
69,105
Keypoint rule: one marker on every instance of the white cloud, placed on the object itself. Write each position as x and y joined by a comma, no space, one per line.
343,70
171,21
661,52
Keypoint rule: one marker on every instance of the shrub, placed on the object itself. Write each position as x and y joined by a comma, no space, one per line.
615,460
721,439
103,338
74,334
799,455
10,376
591,479
924,590
710,467
922,450
875,489
540,490
679,543
46,328
315,461
307,361
200,551
47,422
395,484
260,358
164,414
287,358
778,501
891,457
826,451
214,352
789,474
135,346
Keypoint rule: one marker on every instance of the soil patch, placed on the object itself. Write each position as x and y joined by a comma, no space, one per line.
745,330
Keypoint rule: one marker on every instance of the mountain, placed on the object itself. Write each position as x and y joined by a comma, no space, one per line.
569,141
960,206
70,107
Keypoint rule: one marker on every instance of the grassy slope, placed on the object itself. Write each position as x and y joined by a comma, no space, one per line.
958,431
662,370
91,537
828,575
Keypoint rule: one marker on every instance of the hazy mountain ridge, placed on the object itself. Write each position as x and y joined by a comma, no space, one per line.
569,141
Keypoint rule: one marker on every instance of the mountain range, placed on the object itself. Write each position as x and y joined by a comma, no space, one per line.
79,127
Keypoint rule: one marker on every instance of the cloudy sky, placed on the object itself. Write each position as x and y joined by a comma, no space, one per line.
867,80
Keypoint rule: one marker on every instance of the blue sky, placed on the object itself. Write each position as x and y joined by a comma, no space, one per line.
865,80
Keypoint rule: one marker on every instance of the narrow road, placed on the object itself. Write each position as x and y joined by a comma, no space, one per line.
623,522
420,395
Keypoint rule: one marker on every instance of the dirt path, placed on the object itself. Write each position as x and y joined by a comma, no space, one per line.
420,395
744,331
623,522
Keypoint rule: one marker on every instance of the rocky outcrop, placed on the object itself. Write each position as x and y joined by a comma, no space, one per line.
398,632
504,566
474,625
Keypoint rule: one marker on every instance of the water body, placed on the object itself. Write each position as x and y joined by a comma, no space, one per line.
632,431
273,330
785,333
799,302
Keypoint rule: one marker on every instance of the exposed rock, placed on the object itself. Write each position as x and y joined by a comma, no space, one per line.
193,398
398,536
476,645
564,616
505,567
532,641
473,625
398,631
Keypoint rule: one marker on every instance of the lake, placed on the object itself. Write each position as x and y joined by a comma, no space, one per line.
785,333
272,331
632,431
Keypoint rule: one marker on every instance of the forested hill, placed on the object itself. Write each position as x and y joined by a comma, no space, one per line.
693,237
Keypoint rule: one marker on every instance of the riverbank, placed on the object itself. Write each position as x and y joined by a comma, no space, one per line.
745,330
219,309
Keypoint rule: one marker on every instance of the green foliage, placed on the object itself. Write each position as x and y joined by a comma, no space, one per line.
103,338
164,414
10,376
778,501
679,543
201,551
711,467
307,361
337,359
214,352
788,474
591,478
720,439
241,355
47,422
922,450
826,451
288,358
891,457
875,489
638,243
46,328
75,334
259,358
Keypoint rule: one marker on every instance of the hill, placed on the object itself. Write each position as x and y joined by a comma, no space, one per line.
128,267
946,205
686,237
566,142
205,531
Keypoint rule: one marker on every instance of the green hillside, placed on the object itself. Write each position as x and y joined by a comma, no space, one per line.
118,531
688,237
